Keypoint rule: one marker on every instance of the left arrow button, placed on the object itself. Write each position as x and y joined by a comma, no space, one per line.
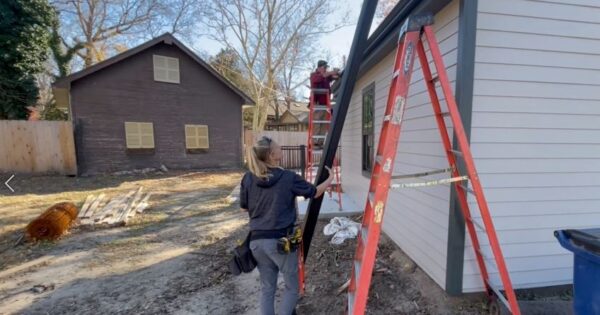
7,185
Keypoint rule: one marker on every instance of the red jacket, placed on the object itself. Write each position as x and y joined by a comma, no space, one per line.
318,81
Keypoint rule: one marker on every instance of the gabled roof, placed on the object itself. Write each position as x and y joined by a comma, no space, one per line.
166,38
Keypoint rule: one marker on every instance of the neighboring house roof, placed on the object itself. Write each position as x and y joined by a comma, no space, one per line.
166,38
295,108
289,117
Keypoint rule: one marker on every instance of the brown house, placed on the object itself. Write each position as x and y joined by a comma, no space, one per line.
294,118
156,104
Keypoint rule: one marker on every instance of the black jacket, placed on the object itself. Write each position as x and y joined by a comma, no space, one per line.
271,203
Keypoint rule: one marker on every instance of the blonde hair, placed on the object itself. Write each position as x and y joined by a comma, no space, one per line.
258,158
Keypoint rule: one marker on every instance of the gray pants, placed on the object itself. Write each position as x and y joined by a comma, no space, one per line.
270,263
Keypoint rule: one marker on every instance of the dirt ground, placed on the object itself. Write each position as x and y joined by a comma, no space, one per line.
173,258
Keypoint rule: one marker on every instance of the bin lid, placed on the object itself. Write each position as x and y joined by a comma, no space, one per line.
587,238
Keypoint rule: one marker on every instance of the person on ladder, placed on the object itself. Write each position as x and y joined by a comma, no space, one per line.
321,79
268,193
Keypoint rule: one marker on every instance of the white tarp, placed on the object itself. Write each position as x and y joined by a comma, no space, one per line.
341,228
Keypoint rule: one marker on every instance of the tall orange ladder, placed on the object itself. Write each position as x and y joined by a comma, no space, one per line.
313,155
410,44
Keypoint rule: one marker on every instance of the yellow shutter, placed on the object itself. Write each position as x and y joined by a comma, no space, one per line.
196,137
139,135
166,69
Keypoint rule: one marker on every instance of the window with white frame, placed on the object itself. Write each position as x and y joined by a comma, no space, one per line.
139,135
166,69
196,136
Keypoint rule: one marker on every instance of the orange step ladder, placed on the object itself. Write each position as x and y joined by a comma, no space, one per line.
410,44
313,155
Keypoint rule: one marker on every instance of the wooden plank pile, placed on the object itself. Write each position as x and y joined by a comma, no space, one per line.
118,210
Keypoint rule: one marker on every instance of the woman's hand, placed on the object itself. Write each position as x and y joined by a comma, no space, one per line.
331,176
321,188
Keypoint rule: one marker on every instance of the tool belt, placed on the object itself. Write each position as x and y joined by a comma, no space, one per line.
289,243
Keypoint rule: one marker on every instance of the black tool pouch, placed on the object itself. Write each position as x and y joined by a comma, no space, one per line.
242,260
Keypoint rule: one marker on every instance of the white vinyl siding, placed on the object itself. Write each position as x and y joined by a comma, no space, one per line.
196,136
166,69
415,219
139,135
536,132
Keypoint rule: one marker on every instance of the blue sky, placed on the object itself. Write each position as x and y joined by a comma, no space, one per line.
336,44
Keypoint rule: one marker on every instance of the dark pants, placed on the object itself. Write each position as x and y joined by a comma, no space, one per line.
270,263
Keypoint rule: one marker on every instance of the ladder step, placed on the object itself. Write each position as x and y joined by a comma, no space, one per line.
319,137
467,189
320,91
456,152
351,302
476,224
320,107
499,295
445,114
430,183
435,79
321,122
357,270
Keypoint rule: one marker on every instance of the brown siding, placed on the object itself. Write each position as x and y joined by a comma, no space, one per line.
126,91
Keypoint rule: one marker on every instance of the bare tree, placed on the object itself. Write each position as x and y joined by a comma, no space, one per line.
384,7
93,29
270,37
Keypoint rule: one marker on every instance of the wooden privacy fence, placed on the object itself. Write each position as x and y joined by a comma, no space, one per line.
284,138
37,147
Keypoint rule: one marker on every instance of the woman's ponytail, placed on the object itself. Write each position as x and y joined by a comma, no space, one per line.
257,157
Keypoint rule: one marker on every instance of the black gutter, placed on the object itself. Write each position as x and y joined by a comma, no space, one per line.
467,29
385,38
342,103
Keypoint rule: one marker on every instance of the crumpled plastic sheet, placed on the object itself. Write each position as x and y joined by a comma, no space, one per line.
341,228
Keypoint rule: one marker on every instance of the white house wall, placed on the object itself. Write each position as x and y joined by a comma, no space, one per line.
416,219
536,131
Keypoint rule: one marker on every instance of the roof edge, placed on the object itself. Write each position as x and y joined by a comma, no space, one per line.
166,38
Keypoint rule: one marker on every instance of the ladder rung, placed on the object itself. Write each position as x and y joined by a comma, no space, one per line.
499,295
467,189
321,122
435,79
489,262
364,233
445,114
319,137
456,152
430,183
317,151
475,223
356,271
320,91
440,171
320,107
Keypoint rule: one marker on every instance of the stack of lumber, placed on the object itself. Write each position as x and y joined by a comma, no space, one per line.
118,210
